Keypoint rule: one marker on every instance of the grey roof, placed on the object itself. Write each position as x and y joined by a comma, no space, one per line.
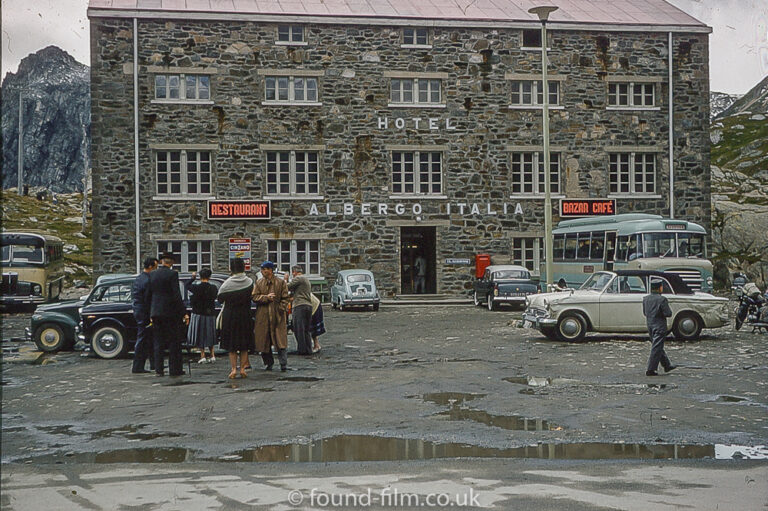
462,12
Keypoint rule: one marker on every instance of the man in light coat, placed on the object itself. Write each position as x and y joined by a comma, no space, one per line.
271,328
301,291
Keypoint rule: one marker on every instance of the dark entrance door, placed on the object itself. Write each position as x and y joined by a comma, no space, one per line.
417,263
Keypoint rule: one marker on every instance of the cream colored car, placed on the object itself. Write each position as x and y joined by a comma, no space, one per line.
613,302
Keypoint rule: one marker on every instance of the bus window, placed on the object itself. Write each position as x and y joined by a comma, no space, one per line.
690,245
557,247
6,258
659,244
570,246
27,254
633,248
596,250
583,250
621,248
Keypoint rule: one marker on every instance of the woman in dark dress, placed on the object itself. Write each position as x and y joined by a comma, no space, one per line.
236,320
202,325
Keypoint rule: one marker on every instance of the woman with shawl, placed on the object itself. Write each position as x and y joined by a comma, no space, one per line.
236,320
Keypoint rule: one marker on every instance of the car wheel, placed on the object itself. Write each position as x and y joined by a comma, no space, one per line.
550,333
571,327
476,300
49,337
492,306
109,342
687,327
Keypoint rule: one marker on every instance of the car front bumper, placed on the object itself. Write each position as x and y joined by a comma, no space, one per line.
509,299
538,321
361,301
21,300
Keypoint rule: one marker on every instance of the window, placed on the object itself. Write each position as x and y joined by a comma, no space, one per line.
529,92
291,88
532,38
416,37
120,293
290,34
527,181
632,173
528,252
417,173
183,173
292,173
287,253
188,255
183,87
427,91
638,95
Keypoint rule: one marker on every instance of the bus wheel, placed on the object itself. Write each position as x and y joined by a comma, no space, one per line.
687,327
571,327
49,337
109,342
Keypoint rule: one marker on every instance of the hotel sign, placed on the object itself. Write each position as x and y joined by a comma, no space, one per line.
587,207
239,210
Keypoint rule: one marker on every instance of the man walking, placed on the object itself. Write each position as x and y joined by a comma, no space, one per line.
301,289
141,304
167,312
271,328
656,311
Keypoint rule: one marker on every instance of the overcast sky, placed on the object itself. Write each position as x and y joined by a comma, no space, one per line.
738,45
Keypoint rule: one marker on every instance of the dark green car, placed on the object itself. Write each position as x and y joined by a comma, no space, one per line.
55,326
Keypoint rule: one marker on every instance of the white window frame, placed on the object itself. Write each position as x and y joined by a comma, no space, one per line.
615,95
416,84
633,160
184,95
517,96
532,164
285,254
291,90
418,158
294,161
183,163
202,250
292,39
522,246
416,34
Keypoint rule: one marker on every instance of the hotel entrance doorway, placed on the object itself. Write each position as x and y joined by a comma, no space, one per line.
417,260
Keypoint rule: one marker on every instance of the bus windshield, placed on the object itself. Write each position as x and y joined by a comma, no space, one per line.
670,244
26,254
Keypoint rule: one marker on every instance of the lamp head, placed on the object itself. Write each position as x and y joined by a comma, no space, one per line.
543,11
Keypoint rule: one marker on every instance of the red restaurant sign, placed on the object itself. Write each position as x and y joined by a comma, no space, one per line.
587,207
239,210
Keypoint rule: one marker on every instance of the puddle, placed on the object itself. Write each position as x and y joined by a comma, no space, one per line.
458,413
14,429
130,432
64,429
357,448
300,378
730,399
238,388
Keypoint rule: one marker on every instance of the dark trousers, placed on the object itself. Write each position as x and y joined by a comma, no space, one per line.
269,359
167,335
302,328
658,333
144,346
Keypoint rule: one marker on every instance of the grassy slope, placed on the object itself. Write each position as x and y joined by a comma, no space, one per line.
733,148
17,211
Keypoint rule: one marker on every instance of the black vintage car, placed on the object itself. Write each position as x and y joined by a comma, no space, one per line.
107,321
504,284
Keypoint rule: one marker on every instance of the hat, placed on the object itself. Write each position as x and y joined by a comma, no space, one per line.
168,255
656,284
268,264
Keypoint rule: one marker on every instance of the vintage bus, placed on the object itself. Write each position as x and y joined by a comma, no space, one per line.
33,268
583,246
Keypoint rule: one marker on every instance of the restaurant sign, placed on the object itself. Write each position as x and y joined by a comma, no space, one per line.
587,207
239,210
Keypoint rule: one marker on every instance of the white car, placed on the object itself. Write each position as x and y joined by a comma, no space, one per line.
613,302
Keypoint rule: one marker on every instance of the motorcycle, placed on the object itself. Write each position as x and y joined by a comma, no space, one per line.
753,307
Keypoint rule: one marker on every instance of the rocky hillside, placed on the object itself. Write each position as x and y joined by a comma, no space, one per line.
56,107
740,187
719,103
60,215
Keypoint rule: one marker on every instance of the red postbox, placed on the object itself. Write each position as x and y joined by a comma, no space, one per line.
482,261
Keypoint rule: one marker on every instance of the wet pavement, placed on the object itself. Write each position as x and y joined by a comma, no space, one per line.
403,387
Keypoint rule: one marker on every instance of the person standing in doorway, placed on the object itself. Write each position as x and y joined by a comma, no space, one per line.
141,305
202,324
236,320
420,266
301,290
656,311
168,315
271,329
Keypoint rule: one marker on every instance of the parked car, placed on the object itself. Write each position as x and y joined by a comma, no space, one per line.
613,302
354,288
504,285
55,326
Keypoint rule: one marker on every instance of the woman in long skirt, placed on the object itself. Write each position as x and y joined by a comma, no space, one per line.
236,320
317,325
202,324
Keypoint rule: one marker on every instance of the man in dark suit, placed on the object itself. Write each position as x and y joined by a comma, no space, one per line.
141,305
167,312
656,311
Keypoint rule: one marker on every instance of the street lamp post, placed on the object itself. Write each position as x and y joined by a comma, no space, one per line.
543,13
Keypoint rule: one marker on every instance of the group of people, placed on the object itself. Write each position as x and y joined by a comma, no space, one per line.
162,321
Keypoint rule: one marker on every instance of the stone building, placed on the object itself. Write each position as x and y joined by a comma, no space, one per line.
363,134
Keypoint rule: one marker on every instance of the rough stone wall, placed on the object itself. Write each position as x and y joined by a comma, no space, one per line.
355,164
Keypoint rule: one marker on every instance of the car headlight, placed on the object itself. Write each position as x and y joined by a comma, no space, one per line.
37,289
709,281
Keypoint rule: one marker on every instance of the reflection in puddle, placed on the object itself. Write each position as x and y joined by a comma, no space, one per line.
458,413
